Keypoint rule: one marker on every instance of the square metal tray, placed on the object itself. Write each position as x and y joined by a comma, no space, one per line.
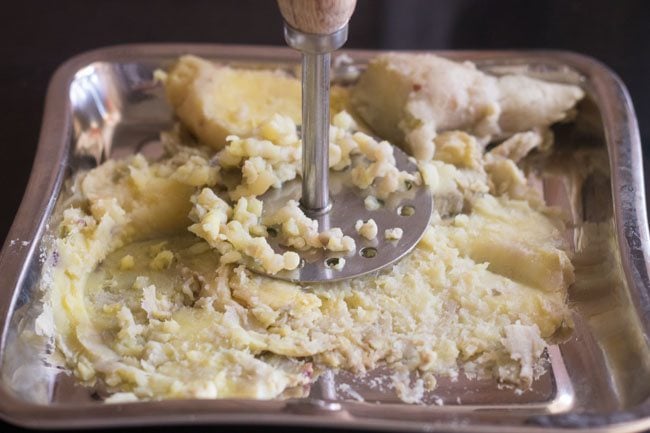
599,378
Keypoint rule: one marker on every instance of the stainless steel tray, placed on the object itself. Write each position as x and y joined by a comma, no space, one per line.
599,378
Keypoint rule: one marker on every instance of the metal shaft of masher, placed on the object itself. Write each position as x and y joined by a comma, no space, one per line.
315,132
316,28
316,49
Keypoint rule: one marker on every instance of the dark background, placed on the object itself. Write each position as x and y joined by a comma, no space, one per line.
37,36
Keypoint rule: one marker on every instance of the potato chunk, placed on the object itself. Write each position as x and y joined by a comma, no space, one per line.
516,241
429,94
216,101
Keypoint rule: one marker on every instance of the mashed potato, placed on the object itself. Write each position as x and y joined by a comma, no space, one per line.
152,292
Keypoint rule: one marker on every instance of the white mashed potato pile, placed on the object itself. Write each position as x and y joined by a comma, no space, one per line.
151,291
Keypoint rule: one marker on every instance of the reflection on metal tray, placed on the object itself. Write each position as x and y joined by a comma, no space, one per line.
105,104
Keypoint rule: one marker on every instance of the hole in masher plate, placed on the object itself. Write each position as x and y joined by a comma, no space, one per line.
406,211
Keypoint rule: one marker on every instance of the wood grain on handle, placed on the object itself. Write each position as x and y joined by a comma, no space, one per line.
320,17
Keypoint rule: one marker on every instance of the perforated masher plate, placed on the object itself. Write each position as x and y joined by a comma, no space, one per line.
408,210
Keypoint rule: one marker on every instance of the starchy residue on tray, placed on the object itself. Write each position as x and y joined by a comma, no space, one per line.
151,291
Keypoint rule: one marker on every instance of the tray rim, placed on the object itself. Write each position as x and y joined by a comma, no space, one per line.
624,145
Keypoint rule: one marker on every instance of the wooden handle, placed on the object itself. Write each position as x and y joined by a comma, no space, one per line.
321,17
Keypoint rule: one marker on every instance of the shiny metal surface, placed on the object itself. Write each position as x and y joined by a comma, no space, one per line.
313,43
316,51
315,133
348,207
105,104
